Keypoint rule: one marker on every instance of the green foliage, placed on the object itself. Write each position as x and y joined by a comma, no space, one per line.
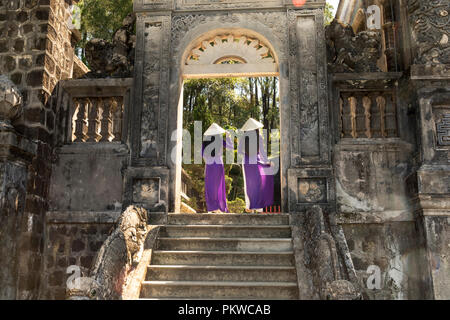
192,202
101,19
236,206
197,174
328,14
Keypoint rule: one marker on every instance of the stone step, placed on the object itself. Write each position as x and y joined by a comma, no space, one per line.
226,231
219,289
187,298
218,258
221,273
225,244
228,218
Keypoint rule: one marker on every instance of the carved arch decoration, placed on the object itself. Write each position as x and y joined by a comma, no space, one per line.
230,47
232,52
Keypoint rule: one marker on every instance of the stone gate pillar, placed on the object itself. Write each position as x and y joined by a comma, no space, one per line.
310,177
431,74
147,179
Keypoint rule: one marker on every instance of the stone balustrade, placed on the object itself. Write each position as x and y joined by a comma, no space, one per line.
97,119
367,114
93,110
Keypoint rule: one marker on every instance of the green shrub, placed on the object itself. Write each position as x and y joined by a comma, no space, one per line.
236,206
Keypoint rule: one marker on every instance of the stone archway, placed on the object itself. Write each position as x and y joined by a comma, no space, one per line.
182,39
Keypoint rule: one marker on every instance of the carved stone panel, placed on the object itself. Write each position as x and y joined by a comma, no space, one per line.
430,23
153,4
442,120
310,186
147,187
312,190
309,117
151,91
225,4
309,113
146,190
184,23
197,5
435,126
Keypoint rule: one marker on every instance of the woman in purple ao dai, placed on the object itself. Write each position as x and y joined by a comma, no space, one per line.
212,150
257,171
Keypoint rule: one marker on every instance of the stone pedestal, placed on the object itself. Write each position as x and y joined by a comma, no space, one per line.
310,177
433,176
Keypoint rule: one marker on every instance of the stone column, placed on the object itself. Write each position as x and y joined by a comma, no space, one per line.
431,74
433,176
310,177
16,153
147,179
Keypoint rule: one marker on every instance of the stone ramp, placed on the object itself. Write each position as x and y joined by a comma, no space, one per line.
223,256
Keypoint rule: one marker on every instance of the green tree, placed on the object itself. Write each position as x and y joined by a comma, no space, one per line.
328,14
101,19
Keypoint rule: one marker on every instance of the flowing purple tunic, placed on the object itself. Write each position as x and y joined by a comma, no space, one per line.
215,191
258,177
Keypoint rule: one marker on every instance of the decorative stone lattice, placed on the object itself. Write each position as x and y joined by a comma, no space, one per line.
366,114
443,130
237,48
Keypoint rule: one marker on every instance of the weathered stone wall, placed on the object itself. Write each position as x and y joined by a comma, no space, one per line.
12,189
71,239
438,254
395,248
371,176
31,230
35,52
88,178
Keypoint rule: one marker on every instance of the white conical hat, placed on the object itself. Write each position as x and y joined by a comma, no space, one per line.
252,124
214,129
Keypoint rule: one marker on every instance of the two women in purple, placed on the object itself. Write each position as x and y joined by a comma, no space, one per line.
258,176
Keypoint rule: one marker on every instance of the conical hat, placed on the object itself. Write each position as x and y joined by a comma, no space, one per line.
252,124
214,129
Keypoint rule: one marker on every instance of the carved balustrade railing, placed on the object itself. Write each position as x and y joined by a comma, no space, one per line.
367,114
92,110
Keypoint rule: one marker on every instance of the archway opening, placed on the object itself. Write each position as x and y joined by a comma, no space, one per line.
229,102
228,76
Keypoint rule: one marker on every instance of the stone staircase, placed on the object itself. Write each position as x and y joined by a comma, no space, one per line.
223,256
